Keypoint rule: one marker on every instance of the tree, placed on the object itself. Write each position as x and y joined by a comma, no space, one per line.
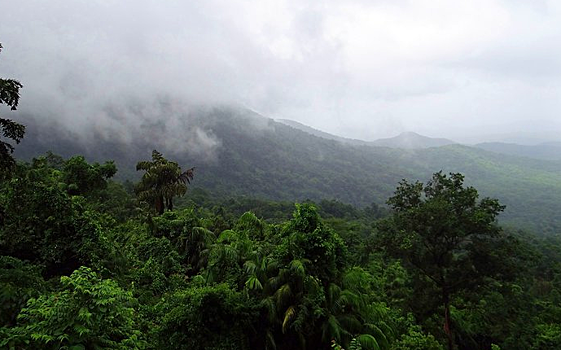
162,181
9,95
83,178
206,317
42,223
307,237
19,281
88,313
447,235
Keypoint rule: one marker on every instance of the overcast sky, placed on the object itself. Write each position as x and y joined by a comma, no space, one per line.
467,70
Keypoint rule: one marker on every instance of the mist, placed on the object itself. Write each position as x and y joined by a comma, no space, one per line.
469,71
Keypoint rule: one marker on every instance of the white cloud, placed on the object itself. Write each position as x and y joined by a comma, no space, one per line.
363,69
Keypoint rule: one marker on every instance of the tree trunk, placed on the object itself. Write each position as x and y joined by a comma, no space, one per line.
447,329
160,206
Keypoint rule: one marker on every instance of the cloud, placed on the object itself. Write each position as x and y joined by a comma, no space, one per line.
362,69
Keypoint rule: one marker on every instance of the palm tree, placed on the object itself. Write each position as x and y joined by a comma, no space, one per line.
196,246
349,318
341,320
162,181
290,306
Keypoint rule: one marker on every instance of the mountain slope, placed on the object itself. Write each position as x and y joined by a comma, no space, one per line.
315,132
411,140
238,152
530,188
547,151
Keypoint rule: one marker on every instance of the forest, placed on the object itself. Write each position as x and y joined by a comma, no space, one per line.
91,263
258,157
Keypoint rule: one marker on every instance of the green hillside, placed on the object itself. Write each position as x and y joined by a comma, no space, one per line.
530,188
547,150
411,140
259,157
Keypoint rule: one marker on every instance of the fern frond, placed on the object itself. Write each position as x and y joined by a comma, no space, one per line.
368,342
288,315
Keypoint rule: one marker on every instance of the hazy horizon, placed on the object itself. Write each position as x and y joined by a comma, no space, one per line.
467,71
521,138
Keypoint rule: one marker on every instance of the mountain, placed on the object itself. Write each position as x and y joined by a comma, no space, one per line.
547,150
315,132
552,143
411,140
406,140
238,152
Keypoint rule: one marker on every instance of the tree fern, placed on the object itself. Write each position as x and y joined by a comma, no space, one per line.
368,342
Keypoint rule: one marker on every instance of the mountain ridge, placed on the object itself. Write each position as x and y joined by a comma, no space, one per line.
252,155
404,140
412,140
544,150
315,132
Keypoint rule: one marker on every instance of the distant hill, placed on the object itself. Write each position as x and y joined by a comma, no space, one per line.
238,152
552,143
547,150
406,140
411,140
309,130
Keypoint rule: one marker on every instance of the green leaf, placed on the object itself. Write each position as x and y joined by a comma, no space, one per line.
77,347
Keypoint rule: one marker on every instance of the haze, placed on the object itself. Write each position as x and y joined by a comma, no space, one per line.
472,71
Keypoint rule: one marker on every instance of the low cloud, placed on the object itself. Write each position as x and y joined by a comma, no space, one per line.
359,69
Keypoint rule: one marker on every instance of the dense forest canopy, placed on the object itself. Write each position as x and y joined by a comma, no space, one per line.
241,153
87,265
9,96
87,262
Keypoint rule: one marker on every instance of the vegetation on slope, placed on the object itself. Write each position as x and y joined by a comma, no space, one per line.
257,157
85,265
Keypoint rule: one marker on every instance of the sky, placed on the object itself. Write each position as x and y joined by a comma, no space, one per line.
471,71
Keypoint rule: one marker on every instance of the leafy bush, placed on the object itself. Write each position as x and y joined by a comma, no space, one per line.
19,281
209,317
89,313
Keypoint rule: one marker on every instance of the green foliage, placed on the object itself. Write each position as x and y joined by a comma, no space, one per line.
210,317
548,337
43,224
159,262
162,181
244,274
83,178
9,95
277,162
89,313
446,234
19,281
306,237
415,339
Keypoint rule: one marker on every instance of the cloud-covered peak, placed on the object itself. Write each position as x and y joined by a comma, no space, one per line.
358,69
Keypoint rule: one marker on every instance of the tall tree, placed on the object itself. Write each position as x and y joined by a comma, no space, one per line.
443,231
162,181
9,95
83,178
